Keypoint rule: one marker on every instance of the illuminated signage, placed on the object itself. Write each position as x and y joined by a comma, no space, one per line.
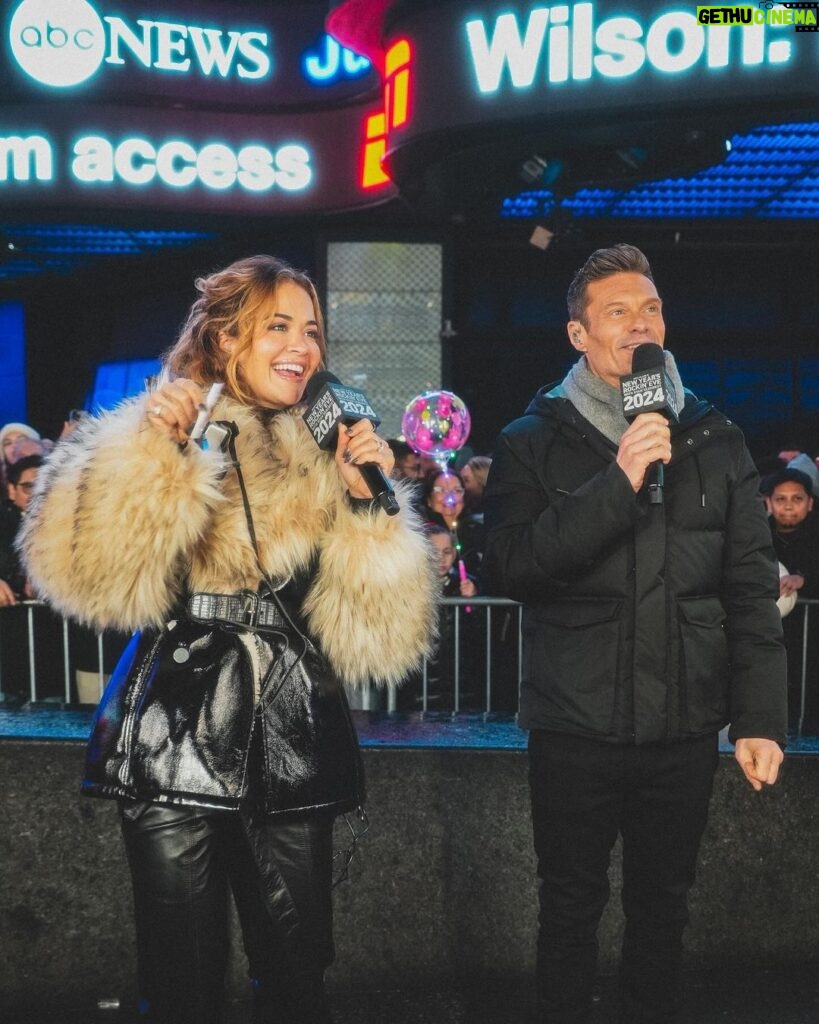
500,77
184,160
162,104
562,44
330,61
169,50
394,113
64,44
176,163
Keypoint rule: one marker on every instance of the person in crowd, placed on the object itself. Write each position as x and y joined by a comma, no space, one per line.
443,498
454,581
10,435
795,535
408,464
15,589
22,476
805,464
260,576
474,475
648,627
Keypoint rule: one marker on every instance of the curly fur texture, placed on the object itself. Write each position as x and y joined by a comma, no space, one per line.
122,522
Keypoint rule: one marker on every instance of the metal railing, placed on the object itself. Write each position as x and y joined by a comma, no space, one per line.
449,659
449,656
8,640
807,603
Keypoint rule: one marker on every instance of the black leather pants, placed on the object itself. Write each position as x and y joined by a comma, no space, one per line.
183,860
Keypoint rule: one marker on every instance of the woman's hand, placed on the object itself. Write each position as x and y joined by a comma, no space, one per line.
468,589
356,445
173,408
790,584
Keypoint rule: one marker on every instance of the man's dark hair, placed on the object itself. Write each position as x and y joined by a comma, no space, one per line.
400,449
786,475
618,259
16,469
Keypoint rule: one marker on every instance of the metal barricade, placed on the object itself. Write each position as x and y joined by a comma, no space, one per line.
807,604
11,641
368,699
451,656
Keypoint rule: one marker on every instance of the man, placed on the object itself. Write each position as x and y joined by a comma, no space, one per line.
647,628
408,463
789,496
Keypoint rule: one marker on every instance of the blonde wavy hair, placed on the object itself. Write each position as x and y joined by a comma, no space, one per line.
230,302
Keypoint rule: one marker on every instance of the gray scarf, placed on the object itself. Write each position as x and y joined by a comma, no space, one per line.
601,404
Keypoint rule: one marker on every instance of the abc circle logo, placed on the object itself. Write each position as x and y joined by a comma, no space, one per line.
58,44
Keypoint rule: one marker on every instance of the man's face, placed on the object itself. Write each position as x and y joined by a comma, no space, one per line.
623,311
20,493
410,467
789,504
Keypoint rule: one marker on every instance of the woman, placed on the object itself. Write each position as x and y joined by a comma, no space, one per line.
16,441
261,578
443,496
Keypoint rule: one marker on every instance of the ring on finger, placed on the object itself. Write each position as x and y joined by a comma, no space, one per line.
156,410
380,445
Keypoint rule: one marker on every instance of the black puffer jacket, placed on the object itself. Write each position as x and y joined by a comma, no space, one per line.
643,623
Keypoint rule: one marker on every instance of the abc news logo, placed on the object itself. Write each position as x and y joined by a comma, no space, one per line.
62,43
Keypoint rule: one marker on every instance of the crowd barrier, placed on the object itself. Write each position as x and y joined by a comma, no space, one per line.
807,604
476,647
481,648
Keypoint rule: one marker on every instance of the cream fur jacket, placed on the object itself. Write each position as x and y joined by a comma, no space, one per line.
123,522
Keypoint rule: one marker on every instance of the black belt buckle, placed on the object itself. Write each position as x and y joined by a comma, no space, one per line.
248,615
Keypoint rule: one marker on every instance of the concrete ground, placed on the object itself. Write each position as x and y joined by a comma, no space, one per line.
730,995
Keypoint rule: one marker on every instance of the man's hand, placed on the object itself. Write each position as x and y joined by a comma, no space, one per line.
759,760
6,595
647,440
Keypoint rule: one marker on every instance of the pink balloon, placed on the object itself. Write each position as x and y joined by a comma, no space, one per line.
436,424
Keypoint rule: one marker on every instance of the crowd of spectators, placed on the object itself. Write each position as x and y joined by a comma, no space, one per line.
790,490
22,453
449,500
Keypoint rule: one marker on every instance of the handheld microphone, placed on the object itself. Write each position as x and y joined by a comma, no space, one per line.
648,388
329,403
204,411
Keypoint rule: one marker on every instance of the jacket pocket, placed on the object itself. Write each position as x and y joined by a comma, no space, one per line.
703,663
572,661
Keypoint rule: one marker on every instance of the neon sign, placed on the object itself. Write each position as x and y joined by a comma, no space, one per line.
561,44
395,113
62,45
331,61
175,163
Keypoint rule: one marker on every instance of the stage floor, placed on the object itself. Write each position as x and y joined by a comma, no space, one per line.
783,995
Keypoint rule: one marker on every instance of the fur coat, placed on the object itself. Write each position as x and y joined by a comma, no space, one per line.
125,525
123,522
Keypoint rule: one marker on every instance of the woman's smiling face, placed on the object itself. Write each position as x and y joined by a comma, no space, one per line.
284,351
